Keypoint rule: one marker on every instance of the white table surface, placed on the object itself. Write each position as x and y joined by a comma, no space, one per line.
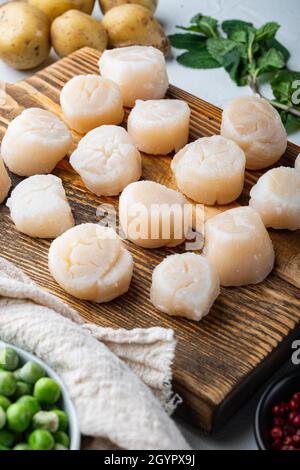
216,87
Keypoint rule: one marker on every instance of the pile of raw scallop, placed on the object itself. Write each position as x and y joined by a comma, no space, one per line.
90,261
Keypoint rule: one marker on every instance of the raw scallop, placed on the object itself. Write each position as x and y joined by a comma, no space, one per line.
5,182
297,162
39,207
185,285
257,128
89,101
140,72
35,141
239,246
107,160
276,197
159,126
90,262
210,170
152,215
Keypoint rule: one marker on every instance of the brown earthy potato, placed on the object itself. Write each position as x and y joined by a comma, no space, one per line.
24,35
55,8
130,24
74,30
106,5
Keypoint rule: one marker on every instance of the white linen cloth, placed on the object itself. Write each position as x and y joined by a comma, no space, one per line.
112,396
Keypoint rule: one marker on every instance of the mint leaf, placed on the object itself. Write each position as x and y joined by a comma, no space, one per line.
290,122
271,60
239,36
218,48
206,25
274,44
267,31
200,59
187,41
282,86
231,62
231,26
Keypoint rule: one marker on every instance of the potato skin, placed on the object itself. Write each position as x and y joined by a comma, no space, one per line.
24,35
131,24
106,5
75,29
55,8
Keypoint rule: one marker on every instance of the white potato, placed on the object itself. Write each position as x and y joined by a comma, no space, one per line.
152,215
297,162
239,246
35,141
39,207
5,182
185,285
107,160
159,126
89,101
140,72
210,170
256,127
90,262
276,197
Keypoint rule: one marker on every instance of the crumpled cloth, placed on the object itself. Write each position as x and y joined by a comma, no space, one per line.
118,380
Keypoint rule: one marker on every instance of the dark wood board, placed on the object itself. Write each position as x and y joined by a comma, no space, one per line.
224,358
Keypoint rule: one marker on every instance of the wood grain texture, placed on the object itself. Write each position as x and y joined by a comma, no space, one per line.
224,358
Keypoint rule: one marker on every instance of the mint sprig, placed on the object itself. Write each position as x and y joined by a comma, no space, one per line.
248,54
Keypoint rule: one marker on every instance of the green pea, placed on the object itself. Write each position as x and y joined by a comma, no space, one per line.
3,447
21,446
62,438
63,419
22,388
45,420
40,440
46,390
31,372
3,417
17,374
59,447
31,404
7,383
9,359
4,402
18,417
7,438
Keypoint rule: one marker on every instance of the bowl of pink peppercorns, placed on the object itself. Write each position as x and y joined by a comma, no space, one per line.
277,420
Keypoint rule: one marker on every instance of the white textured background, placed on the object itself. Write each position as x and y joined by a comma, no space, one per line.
216,86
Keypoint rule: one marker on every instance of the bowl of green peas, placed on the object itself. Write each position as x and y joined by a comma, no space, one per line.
36,412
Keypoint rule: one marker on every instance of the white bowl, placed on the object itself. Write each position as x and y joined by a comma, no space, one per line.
66,403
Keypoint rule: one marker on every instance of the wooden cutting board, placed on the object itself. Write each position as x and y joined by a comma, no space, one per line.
223,359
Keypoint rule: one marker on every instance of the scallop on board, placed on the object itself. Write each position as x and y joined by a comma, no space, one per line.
159,126
140,72
239,246
152,215
185,285
107,160
210,170
35,141
276,197
90,262
39,207
5,182
89,101
257,128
